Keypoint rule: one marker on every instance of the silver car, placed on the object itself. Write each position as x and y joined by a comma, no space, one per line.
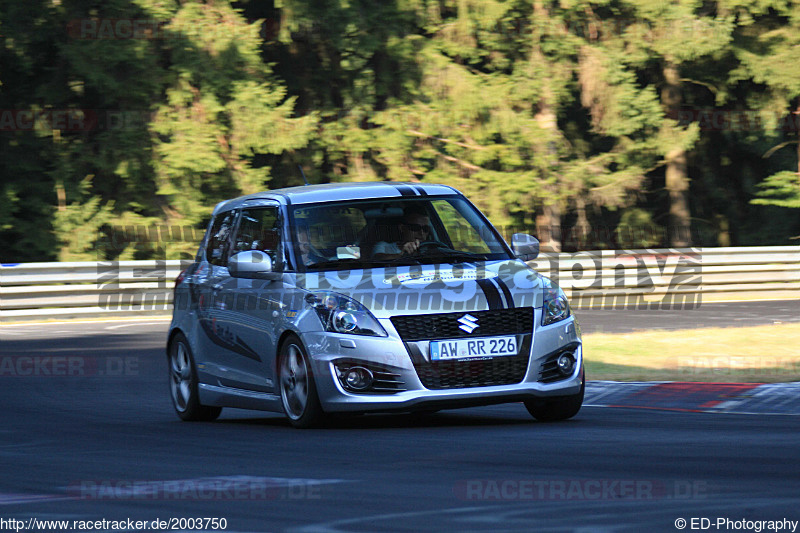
367,297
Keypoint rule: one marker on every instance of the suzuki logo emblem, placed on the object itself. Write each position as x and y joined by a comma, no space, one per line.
468,323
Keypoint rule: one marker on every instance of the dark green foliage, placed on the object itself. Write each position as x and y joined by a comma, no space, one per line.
548,114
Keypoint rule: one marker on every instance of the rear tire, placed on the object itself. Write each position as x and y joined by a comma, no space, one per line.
183,384
560,408
299,396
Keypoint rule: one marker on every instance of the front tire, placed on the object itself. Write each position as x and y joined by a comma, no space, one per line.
183,384
556,409
299,396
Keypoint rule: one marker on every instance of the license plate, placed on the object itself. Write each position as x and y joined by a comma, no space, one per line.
480,347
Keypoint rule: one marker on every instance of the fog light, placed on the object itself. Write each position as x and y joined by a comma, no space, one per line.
566,363
357,378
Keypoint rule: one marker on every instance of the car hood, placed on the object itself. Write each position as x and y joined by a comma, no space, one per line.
440,288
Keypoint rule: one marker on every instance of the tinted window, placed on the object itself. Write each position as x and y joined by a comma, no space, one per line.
259,230
326,227
219,238
365,233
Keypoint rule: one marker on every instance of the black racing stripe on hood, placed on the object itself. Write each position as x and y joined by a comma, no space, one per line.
492,294
506,292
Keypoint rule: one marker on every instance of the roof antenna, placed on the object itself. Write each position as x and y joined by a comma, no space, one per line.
303,173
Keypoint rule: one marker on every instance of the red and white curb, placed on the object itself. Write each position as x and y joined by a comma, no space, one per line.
736,398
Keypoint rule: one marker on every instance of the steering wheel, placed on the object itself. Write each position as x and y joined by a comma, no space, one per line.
430,244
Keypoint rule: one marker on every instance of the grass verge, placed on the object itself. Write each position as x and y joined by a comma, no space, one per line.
762,354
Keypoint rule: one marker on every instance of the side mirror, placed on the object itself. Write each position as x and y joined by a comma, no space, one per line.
526,247
252,264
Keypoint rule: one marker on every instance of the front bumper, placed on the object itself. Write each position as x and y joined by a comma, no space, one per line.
390,353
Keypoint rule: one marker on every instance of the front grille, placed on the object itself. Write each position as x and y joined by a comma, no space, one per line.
548,373
460,373
446,326
479,373
386,381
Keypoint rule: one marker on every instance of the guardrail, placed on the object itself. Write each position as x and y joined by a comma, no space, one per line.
674,278
659,278
68,290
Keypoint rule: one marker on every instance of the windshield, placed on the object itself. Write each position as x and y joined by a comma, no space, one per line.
371,233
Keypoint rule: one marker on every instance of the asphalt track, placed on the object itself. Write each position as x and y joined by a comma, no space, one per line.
90,435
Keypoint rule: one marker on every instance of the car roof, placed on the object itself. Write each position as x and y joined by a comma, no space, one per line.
334,192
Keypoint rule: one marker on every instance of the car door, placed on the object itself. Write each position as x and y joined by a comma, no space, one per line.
214,349
255,310
226,359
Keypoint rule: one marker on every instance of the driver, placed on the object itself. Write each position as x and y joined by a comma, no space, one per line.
414,229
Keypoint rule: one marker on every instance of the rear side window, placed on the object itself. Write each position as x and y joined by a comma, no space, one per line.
259,229
219,238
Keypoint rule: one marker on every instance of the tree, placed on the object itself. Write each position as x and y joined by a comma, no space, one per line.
572,114
223,107
662,42
768,53
163,123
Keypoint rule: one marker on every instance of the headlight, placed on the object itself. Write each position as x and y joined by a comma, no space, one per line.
340,314
556,306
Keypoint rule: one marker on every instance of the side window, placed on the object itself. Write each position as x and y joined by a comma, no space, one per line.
259,229
219,236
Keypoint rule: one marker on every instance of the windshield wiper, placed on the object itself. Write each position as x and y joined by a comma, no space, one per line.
352,262
333,262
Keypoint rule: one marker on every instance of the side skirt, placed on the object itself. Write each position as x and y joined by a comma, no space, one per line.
214,395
